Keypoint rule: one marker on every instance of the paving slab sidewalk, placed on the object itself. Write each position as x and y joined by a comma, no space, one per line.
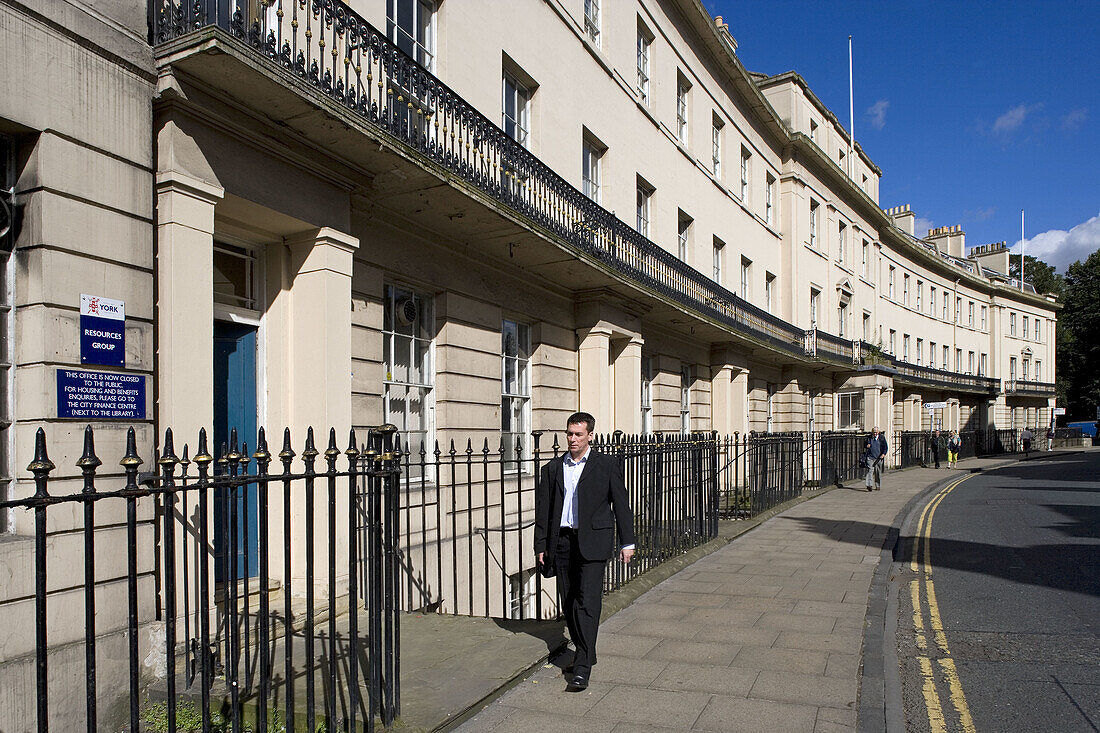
766,633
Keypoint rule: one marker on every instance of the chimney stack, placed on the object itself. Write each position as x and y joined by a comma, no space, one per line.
903,218
948,240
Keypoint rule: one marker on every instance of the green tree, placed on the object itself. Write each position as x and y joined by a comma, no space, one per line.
1078,346
1039,275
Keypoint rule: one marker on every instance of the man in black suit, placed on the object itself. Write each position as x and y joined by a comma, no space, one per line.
580,500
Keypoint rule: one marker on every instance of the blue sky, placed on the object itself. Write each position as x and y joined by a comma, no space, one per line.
973,110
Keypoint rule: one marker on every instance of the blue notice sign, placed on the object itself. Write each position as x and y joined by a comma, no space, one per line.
102,331
100,395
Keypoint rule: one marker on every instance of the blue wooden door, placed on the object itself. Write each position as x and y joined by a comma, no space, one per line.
235,516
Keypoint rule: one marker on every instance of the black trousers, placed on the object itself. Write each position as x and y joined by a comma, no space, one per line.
580,589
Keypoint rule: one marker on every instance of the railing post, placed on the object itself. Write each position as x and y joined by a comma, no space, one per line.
130,463
41,467
88,464
167,463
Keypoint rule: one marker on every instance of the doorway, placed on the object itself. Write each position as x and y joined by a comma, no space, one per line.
235,511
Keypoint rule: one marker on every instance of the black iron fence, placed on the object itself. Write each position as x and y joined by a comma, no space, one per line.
273,587
836,457
914,447
467,518
757,471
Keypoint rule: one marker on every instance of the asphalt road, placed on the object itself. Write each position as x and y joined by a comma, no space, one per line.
999,608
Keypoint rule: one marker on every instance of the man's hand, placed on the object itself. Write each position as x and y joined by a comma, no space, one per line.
627,554
542,557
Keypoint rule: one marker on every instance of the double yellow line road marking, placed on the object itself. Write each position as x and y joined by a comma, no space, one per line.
921,565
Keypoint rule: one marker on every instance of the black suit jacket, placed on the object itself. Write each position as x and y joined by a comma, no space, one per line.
601,506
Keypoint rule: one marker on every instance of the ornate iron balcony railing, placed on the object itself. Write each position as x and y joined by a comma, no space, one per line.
919,374
343,56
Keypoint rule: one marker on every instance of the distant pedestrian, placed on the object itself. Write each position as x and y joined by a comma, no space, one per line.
874,458
934,447
1027,436
1050,438
954,445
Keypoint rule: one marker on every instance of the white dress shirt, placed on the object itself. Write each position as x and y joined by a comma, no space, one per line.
571,475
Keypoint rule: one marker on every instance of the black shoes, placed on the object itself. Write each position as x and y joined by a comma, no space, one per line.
579,683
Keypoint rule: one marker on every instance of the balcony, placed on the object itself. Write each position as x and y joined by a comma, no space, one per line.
1024,388
298,58
924,376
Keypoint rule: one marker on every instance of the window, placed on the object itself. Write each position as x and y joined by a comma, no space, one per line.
746,157
840,156
7,316
412,29
815,296
514,106
644,195
1011,324
985,319
920,296
850,410
842,319
893,341
682,89
746,276
842,242
946,366
647,394
867,327
770,407
983,366
863,264
946,308
931,353
893,273
685,398
1012,368
716,260
905,290
970,313
932,301
813,131
970,362
234,276
592,20
1026,369
408,327
1038,369
1027,323
905,347
515,388
645,40
769,199
522,593
1038,328
716,147
958,360
920,351
958,309
813,222
591,154
769,287
683,236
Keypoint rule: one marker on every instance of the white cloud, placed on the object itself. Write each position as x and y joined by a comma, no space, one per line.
877,113
922,225
1075,118
1060,248
1011,120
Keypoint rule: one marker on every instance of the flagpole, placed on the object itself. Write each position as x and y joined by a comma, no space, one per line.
851,116
1023,245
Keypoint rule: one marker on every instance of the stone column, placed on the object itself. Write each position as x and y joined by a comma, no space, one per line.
595,375
628,385
886,412
308,355
184,306
730,394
